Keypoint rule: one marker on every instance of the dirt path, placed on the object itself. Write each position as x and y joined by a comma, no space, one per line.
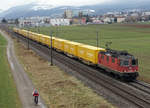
24,84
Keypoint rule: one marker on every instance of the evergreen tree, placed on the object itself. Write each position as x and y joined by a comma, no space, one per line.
4,20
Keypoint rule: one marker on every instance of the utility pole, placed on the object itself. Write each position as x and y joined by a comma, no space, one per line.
51,33
28,37
8,29
17,34
57,30
38,30
97,39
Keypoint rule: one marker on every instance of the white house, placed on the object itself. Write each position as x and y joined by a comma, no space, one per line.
121,19
146,13
108,20
135,14
34,21
60,22
28,22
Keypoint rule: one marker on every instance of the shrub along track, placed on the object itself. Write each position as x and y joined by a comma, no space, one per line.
123,90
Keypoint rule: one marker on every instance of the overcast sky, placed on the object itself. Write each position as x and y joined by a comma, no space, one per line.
5,4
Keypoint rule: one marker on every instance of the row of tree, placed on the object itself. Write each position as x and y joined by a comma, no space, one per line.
15,21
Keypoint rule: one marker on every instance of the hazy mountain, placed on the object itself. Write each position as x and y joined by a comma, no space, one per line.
33,9
120,5
1,10
37,9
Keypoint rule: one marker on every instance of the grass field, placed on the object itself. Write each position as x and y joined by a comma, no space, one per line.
133,38
8,93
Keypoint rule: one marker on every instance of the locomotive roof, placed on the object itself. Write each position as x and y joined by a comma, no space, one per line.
118,54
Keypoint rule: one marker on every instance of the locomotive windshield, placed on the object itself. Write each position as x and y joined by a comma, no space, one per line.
133,62
124,62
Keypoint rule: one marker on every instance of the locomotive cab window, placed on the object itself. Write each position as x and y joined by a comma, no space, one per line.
134,62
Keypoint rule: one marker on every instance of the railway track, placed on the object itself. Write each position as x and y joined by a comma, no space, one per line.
142,86
128,95
115,86
94,76
146,85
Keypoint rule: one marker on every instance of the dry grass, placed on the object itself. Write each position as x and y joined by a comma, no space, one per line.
145,79
57,88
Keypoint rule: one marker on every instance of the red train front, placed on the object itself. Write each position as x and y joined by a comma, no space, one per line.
119,63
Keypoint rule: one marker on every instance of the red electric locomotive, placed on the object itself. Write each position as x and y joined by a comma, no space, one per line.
121,64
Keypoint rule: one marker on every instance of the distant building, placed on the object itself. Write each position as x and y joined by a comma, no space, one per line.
68,14
146,13
108,20
60,22
34,21
120,19
11,21
97,21
134,14
145,18
28,22
78,21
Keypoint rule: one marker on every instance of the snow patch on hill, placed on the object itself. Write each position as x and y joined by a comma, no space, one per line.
40,6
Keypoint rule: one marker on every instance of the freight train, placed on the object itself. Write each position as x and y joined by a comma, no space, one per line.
118,63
